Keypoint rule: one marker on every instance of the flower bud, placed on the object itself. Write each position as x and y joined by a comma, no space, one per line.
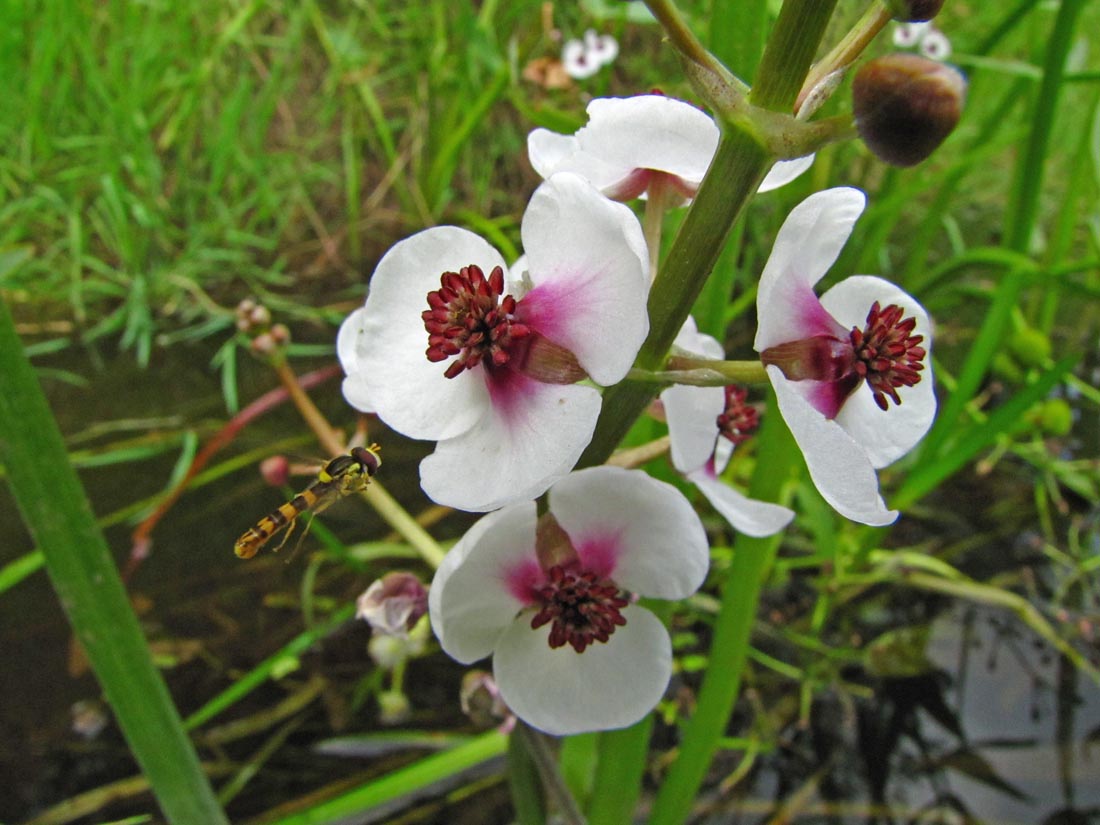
393,707
275,470
1053,416
393,604
914,11
906,105
480,700
1030,346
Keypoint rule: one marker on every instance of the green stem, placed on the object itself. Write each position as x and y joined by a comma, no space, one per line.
844,53
739,165
684,40
88,585
752,558
702,372
789,53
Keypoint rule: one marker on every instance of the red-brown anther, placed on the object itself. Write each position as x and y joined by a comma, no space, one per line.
888,355
739,420
582,607
467,318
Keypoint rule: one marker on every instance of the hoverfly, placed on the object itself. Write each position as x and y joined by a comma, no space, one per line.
344,475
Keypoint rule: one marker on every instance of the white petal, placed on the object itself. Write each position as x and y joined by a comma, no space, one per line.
840,469
909,34
784,172
745,515
576,60
469,601
521,447
651,132
691,340
550,153
692,416
349,343
808,244
548,150
884,435
395,378
610,685
935,45
588,262
642,533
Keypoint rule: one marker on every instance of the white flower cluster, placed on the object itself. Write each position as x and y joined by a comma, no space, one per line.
455,346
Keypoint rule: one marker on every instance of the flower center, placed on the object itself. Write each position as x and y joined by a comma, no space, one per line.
583,607
888,355
467,318
739,420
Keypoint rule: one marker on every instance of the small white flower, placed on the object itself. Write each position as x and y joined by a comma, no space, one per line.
551,599
924,36
838,362
631,143
703,428
584,58
908,35
450,348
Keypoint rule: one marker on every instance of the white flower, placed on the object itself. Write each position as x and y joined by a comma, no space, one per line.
704,424
631,143
837,363
930,41
583,58
514,587
505,409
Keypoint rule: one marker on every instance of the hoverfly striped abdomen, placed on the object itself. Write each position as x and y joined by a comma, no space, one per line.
342,476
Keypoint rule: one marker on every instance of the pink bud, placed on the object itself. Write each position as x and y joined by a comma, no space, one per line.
393,604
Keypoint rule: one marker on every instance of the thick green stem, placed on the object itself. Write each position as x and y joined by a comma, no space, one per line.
752,558
737,169
789,53
90,590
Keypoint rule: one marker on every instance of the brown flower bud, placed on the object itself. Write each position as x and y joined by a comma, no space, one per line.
914,11
906,105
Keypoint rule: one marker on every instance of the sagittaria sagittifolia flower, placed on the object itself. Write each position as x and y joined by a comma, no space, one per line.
704,426
851,370
633,143
552,599
454,348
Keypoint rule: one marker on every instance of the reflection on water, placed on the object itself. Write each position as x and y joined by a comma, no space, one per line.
1030,716
995,729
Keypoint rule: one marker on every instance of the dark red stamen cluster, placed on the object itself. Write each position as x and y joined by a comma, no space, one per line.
739,420
467,318
583,608
888,355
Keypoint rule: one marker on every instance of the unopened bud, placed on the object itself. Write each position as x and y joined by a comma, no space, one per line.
275,470
393,604
1031,346
393,707
1053,416
906,105
914,11
480,699
264,344
280,334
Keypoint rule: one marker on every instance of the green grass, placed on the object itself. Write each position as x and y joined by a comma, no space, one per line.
163,160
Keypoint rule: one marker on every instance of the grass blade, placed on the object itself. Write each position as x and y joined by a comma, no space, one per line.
84,575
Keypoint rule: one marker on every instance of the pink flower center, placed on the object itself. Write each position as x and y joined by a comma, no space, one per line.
888,355
739,420
467,318
582,607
